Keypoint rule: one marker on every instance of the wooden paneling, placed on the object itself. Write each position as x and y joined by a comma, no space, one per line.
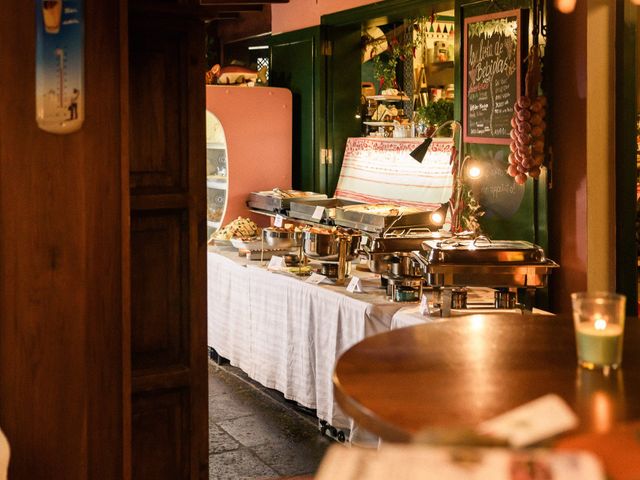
158,112
61,262
161,435
168,247
160,314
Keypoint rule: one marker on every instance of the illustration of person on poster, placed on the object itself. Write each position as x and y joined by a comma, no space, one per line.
59,65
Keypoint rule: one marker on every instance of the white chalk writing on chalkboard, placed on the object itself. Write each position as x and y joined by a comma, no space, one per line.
491,76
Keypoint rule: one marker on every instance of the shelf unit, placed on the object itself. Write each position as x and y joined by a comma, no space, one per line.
217,183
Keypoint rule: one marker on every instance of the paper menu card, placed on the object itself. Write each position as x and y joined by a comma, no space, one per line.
413,461
532,422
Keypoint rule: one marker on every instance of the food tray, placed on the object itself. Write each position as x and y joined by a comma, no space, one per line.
270,202
376,223
481,251
304,208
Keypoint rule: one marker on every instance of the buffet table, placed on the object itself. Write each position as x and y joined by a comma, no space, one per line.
287,334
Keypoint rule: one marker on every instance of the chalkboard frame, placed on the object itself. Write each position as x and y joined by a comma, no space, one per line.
518,14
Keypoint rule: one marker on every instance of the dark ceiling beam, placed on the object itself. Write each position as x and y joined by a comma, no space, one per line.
240,2
204,12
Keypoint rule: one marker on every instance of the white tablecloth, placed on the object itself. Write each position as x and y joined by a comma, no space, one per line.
287,334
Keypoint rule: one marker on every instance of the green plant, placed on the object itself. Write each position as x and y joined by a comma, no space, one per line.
436,113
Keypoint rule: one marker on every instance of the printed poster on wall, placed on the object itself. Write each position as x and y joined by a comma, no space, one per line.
59,65
492,75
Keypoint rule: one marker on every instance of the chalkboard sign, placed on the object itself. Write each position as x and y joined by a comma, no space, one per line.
492,59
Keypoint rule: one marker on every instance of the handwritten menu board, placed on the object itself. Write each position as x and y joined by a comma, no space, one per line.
492,59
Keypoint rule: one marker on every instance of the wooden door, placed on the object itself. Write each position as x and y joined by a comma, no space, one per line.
168,248
343,95
297,63
61,260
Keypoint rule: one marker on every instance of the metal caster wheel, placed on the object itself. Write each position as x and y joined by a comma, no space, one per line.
323,427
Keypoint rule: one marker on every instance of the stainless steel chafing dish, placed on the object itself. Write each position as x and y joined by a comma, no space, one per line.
397,242
481,262
278,200
381,218
304,208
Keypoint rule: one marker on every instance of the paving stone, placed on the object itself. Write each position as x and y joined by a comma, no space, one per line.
254,433
221,382
219,440
238,464
252,430
293,458
229,406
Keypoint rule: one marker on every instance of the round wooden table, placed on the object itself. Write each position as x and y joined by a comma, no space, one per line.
469,369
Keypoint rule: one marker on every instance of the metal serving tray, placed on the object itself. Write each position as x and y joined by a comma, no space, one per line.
304,208
270,202
375,223
481,251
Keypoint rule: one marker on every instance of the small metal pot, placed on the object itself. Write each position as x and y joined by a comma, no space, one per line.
281,239
326,246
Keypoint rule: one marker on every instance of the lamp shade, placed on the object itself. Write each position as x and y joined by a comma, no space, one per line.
421,150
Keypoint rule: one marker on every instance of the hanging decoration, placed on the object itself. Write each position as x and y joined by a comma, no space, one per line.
527,124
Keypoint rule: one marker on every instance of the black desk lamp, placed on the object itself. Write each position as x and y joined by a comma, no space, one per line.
420,152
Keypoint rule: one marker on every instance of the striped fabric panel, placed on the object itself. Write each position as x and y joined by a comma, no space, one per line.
376,170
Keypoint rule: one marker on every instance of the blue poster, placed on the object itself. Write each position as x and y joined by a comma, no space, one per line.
59,65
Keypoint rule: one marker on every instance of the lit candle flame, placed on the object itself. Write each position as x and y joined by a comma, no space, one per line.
599,323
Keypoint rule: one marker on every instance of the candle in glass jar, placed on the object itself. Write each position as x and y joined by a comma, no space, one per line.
599,342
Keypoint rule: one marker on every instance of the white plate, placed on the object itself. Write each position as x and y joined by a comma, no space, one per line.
247,244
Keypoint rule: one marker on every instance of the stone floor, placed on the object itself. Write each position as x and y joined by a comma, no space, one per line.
255,433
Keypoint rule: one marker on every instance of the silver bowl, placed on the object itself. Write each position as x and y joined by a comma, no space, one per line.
281,239
326,246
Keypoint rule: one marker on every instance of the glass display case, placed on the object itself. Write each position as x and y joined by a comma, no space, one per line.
217,173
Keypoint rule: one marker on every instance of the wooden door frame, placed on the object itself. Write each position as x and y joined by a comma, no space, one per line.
625,156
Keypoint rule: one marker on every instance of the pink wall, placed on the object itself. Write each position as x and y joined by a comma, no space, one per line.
299,14
257,127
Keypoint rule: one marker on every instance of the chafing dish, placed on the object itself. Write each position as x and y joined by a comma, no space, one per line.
481,250
400,263
279,239
381,218
304,208
277,200
481,262
381,250
326,246
484,263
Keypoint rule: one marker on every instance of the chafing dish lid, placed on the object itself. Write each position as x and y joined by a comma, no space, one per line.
481,250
